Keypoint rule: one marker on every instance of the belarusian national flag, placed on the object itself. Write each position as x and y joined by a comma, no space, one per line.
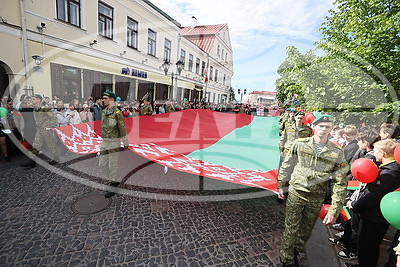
236,148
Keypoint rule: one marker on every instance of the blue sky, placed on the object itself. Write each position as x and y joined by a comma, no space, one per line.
260,31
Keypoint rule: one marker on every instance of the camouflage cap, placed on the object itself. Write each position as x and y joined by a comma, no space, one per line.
323,118
109,94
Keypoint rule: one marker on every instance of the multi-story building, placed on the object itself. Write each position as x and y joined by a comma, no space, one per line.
78,49
260,98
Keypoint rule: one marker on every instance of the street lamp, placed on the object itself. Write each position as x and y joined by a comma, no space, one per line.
179,68
241,95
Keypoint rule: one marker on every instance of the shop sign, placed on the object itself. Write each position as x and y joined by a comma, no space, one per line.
134,72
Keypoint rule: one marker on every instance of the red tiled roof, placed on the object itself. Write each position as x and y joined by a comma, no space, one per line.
263,93
202,36
203,42
202,30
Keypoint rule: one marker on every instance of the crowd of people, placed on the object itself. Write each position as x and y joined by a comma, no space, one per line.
20,119
314,170
313,167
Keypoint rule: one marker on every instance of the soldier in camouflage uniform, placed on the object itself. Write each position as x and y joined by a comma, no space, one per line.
293,131
146,108
307,168
112,131
45,120
287,117
169,107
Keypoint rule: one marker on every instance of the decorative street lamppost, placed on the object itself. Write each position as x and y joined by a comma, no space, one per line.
179,68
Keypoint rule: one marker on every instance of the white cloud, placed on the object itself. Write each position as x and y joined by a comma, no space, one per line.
253,19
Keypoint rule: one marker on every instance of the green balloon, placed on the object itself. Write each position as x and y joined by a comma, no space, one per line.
3,112
390,208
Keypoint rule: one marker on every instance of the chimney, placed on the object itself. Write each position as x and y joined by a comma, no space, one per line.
194,21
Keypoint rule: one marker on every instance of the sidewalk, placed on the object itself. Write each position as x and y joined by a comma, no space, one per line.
39,228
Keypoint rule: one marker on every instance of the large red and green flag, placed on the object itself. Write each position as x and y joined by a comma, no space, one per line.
236,148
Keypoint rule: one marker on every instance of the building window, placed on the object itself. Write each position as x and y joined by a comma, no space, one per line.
167,50
132,33
203,69
222,54
226,57
183,57
218,51
211,73
216,75
197,66
105,21
151,44
69,11
223,81
66,82
190,62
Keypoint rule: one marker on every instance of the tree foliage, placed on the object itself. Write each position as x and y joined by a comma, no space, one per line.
358,77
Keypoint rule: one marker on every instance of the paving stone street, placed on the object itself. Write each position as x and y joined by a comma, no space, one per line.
38,227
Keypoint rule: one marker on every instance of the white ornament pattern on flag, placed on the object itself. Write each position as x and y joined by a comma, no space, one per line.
82,139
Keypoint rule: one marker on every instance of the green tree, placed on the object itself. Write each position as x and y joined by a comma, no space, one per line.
366,33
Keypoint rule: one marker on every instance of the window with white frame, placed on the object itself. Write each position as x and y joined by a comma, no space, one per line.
197,66
183,57
190,62
132,33
105,20
226,57
203,69
223,81
167,50
211,72
222,54
218,51
216,75
151,43
69,11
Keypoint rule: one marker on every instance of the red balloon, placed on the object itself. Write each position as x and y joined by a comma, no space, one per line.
397,190
324,210
24,145
397,154
364,170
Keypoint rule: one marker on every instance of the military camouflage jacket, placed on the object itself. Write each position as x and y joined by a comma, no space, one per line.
146,110
113,125
44,118
291,133
308,173
169,108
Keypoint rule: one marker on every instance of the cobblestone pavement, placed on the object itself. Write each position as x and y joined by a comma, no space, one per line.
37,226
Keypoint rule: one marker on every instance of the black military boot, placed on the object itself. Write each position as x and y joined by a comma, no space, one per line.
109,193
29,164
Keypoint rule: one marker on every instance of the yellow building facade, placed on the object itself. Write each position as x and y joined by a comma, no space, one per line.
80,48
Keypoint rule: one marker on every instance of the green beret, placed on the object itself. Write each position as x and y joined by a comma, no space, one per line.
323,118
38,96
109,94
299,113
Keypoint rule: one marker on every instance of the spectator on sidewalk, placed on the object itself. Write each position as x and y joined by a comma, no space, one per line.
97,108
373,225
85,114
351,147
72,115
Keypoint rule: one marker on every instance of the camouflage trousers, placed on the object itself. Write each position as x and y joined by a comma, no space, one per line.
109,154
300,219
43,136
